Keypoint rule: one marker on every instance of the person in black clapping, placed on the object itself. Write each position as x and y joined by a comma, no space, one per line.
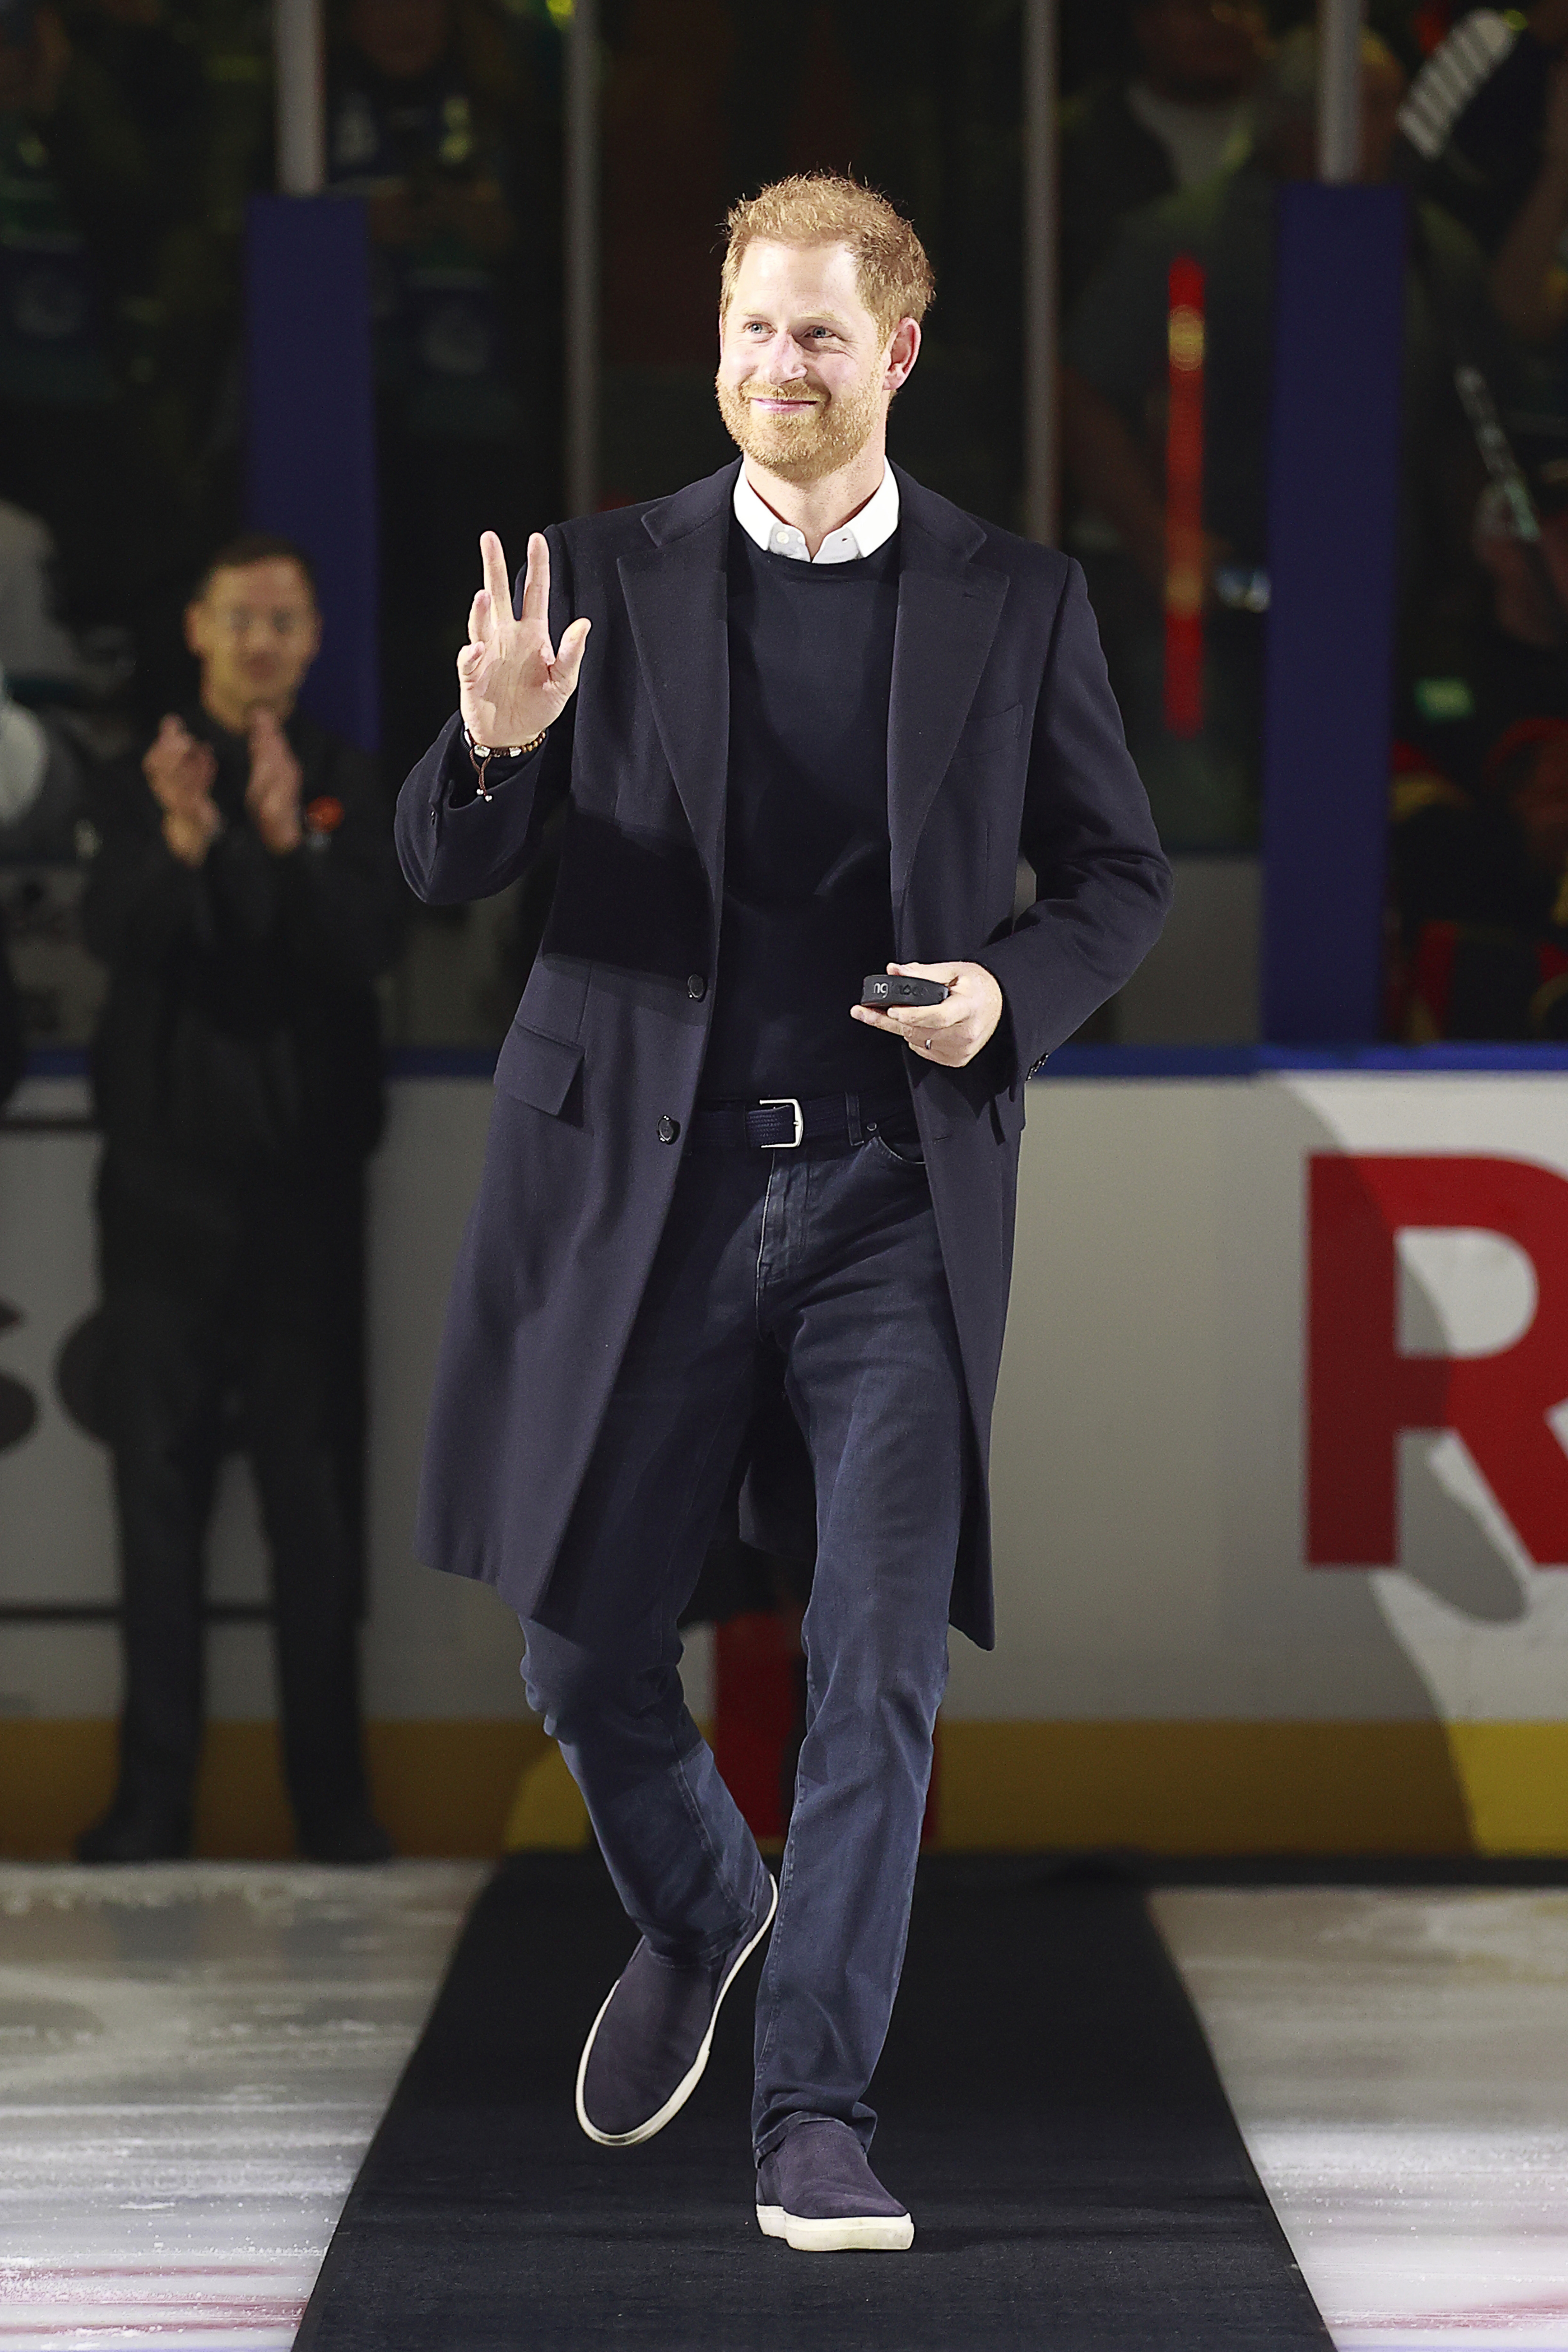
244,897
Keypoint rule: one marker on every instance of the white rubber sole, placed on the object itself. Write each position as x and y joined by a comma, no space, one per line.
684,2089
875,2233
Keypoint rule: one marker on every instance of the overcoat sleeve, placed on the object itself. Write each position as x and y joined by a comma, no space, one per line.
1102,883
454,847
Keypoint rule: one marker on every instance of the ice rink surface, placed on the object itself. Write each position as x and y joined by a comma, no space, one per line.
192,2060
1398,2064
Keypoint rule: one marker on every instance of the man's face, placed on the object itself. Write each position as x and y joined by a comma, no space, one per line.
1205,50
256,631
804,376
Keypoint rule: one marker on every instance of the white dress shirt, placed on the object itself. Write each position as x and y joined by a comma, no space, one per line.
862,535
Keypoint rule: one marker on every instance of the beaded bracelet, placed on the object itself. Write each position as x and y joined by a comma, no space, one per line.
481,754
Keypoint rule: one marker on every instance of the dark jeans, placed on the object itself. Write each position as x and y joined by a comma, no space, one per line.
830,1261
215,1290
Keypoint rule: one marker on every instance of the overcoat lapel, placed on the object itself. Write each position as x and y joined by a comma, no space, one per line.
948,608
677,596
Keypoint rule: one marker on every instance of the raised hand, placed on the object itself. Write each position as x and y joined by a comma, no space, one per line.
511,683
272,796
181,772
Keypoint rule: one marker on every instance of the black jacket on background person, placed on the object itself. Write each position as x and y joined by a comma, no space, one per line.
241,1028
238,1081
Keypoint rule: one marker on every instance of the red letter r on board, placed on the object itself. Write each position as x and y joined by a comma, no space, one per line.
1361,1393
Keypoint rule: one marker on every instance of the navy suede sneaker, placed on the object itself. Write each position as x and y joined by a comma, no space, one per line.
818,2191
648,2044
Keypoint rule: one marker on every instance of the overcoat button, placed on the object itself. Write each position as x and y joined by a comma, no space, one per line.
669,1129
697,987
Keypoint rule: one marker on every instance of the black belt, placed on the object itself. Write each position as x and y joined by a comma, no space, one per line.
783,1122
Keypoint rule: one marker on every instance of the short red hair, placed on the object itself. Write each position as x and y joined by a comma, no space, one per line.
827,208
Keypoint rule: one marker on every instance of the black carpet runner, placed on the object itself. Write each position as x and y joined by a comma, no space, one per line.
1050,2113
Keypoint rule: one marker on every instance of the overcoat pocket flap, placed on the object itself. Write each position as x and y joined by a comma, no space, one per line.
538,1069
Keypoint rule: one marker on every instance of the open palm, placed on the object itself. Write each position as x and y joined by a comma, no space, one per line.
511,682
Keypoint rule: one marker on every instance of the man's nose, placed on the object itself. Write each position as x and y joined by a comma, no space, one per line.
781,360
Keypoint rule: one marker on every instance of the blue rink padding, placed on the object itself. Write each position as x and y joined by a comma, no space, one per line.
405,1061
310,467
1334,492
1280,1060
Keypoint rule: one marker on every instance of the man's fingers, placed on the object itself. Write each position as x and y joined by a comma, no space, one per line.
493,557
535,581
174,739
569,661
949,974
180,769
925,1018
478,617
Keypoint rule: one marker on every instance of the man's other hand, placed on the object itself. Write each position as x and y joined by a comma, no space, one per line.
511,682
272,796
953,1031
180,772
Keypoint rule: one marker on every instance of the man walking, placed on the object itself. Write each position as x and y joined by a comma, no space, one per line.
822,713
244,897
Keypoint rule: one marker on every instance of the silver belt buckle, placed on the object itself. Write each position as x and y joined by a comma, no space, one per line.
785,1102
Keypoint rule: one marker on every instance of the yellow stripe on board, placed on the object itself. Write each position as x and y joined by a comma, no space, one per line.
1256,1788
485,1787
442,1788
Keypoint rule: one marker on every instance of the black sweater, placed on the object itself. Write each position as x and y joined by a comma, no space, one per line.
806,898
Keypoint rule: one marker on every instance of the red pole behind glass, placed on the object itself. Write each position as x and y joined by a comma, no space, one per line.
1183,502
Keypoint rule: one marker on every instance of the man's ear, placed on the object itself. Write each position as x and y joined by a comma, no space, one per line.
195,616
902,353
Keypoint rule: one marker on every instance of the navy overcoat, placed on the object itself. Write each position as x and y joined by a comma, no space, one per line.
1003,738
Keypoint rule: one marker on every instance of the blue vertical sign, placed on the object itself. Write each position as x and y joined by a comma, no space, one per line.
1333,510
310,432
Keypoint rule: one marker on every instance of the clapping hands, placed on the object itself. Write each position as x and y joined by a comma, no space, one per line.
181,770
272,796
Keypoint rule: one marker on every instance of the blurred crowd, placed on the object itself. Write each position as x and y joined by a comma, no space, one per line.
1176,150
131,132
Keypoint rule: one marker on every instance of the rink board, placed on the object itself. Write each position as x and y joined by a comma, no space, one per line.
1254,1591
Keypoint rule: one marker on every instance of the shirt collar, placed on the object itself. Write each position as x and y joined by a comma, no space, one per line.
862,535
